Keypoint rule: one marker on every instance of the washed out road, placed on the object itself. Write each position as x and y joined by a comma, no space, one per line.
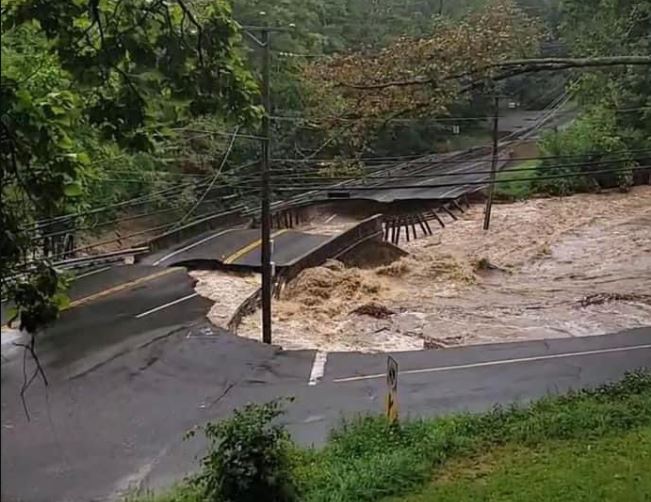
238,247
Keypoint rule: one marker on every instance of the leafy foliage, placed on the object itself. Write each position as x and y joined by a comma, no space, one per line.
420,75
616,118
109,77
592,141
39,299
249,458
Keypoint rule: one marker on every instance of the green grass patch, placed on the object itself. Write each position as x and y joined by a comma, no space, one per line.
606,469
520,185
367,459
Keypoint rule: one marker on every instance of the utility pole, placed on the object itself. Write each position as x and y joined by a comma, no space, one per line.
491,187
265,204
264,42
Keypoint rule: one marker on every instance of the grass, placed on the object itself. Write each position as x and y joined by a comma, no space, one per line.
609,468
367,459
521,187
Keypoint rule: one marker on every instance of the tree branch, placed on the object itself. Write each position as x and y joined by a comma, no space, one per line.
526,66
31,348
576,62
197,25
385,85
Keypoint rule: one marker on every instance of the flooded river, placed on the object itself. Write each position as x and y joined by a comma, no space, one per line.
553,267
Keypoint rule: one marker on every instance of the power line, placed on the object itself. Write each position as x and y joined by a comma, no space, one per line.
461,173
205,132
122,219
434,120
458,184
143,199
215,177
456,161
134,234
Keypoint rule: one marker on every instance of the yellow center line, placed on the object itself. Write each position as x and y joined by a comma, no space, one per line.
115,289
249,247
119,287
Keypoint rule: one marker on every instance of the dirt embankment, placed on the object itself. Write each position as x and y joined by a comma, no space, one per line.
552,267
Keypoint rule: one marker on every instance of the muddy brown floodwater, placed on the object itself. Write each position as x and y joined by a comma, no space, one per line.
552,267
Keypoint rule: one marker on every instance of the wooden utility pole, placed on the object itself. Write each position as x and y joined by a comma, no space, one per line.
264,42
265,199
491,187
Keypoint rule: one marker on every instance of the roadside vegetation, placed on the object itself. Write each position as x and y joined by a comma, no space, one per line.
612,468
517,181
587,444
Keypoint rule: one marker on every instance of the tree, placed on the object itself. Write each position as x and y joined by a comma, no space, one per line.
609,28
418,76
615,121
128,72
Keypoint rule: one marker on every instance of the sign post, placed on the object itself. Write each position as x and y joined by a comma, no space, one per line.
392,390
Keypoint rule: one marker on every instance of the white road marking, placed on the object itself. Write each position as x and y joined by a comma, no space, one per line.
161,307
190,246
497,363
92,272
318,367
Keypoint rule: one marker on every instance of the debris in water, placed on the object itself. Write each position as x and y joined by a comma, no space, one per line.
333,265
373,309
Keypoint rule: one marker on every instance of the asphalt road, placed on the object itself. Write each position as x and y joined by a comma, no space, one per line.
238,246
117,419
439,185
449,181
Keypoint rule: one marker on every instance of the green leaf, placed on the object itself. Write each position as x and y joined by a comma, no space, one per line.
83,158
72,189
61,300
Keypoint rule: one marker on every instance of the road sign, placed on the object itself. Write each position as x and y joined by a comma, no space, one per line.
392,389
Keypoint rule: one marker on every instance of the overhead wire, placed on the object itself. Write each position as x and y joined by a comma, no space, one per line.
457,161
457,184
215,177
289,118
136,201
301,177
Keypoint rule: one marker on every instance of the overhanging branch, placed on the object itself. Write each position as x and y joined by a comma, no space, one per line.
576,62
517,67
393,83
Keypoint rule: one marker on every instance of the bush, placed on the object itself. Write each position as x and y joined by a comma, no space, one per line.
579,155
248,458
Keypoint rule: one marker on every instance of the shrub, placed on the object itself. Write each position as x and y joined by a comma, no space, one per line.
579,158
248,459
